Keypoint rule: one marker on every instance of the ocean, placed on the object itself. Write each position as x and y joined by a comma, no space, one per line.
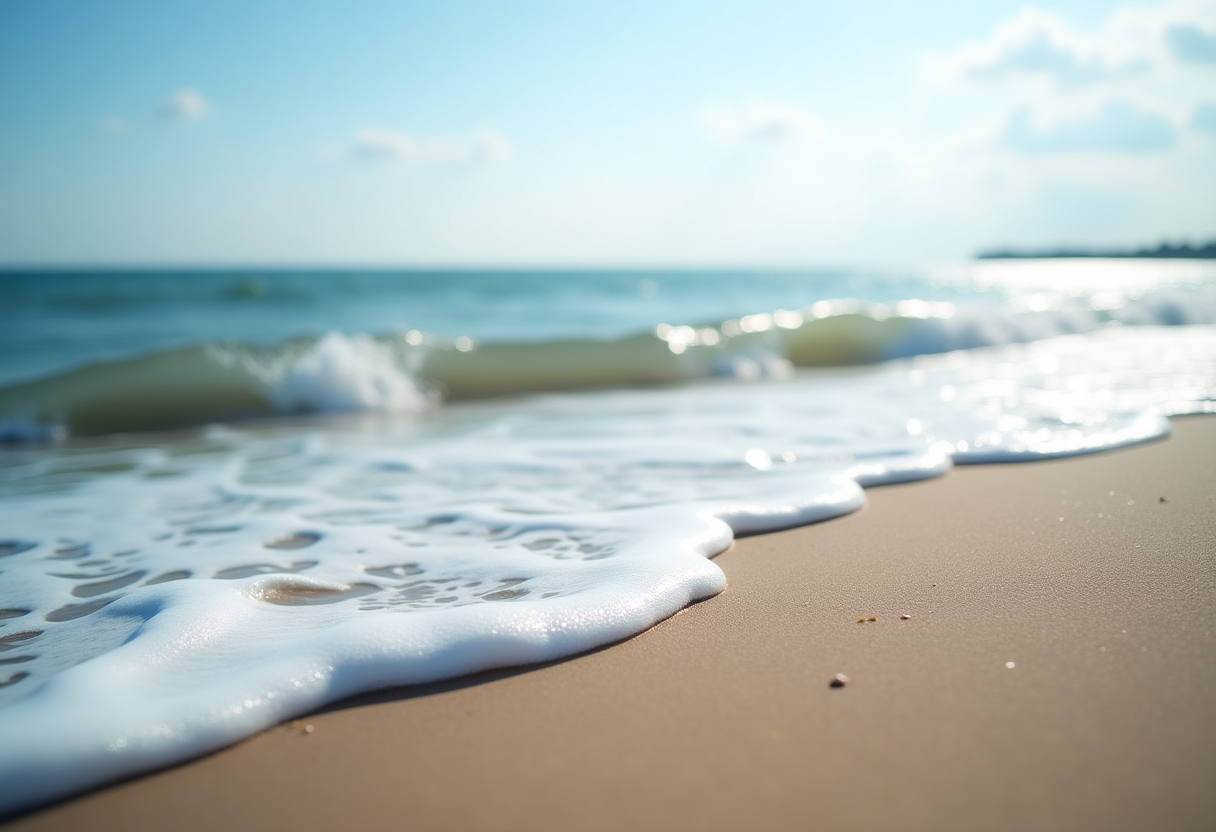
232,497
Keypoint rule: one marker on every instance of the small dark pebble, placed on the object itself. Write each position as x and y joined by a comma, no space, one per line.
838,681
1161,499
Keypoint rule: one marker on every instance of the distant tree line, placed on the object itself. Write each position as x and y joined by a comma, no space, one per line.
1204,251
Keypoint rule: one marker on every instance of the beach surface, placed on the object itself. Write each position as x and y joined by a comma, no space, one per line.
1057,671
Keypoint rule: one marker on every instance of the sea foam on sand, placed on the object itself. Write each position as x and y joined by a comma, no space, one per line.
166,597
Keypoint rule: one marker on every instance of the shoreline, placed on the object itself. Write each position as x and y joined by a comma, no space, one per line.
721,717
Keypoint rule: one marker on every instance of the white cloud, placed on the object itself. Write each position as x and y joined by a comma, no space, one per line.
1041,88
1037,44
185,105
1133,41
1046,131
760,123
375,144
114,124
1118,127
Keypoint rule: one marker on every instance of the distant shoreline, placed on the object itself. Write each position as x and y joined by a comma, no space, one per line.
1185,251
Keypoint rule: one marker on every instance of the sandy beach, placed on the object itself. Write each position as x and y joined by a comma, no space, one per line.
403,410
1057,671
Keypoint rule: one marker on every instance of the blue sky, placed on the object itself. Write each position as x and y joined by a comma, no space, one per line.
599,134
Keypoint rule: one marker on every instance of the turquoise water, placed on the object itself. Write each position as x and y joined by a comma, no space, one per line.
51,322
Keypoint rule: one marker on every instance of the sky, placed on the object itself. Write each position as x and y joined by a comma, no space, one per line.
599,134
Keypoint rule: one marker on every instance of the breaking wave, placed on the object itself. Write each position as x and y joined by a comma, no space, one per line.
413,370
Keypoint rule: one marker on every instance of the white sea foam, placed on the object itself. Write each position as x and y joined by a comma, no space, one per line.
164,599
341,373
336,374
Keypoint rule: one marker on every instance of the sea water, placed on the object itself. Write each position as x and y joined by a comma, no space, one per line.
232,498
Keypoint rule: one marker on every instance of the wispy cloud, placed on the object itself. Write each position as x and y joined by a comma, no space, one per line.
114,124
759,123
1126,86
1038,44
1118,127
374,144
185,105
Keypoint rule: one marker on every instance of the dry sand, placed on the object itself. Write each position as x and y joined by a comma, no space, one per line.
1094,577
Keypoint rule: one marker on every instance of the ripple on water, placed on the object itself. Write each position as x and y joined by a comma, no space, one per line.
295,540
8,548
253,569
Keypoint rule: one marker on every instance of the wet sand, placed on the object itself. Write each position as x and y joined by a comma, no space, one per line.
1058,671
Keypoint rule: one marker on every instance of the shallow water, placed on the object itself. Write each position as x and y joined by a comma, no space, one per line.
167,594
